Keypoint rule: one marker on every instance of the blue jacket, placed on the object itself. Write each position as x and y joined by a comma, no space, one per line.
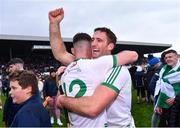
10,110
155,77
32,114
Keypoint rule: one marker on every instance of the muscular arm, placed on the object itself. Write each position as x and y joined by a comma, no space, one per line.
126,57
57,45
90,105
102,97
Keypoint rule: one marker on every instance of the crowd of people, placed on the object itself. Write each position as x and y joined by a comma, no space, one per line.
159,83
96,87
21,103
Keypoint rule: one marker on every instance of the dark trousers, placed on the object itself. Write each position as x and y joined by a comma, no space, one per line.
140,91
171,117
164,117
174,120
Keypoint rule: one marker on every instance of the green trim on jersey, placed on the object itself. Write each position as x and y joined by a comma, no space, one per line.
114,61
111,86
113,75
64,86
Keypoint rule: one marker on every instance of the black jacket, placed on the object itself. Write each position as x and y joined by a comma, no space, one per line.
50,87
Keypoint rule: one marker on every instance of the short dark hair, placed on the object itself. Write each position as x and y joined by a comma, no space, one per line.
52,70
111,36
163,58
81,36
167,52
170,51
25,79
15,61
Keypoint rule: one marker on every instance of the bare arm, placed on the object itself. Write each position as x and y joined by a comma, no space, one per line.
57,45
103,96
89,105
126,57
60,70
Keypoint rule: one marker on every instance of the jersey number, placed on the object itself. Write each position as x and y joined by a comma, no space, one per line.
82,87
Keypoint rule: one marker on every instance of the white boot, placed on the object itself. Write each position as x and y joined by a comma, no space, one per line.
52,120
59,122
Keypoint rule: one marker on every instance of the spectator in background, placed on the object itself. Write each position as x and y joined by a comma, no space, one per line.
24,88
150,72
150,56
169,87
163,58
0,93
139,75
10,109
51,90
5,86
132,71
40,84
155,66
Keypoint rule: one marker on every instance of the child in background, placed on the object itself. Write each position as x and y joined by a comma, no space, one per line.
24,91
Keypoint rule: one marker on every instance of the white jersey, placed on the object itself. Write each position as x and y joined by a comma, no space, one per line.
81,78
119,111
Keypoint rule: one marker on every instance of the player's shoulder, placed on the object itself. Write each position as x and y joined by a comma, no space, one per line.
84,61
125,67
122,67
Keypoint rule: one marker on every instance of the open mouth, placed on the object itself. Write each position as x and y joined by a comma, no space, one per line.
95,50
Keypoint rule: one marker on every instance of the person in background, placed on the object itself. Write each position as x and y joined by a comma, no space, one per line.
51,90
40,84
132,71
24,91
0,94
155,66
169,82
139,75
5,86
10,108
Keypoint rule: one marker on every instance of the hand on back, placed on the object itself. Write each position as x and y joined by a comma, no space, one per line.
60,70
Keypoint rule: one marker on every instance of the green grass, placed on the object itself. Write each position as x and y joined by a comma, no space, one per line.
1,112
141,113
63,119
